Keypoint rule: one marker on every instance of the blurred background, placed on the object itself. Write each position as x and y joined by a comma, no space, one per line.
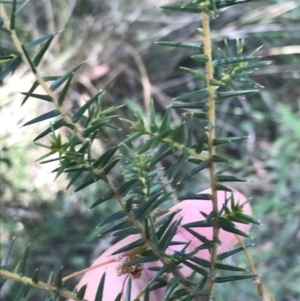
116,39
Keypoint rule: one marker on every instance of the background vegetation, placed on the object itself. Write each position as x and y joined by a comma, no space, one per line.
117,40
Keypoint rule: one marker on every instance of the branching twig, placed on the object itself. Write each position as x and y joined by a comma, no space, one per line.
41,285
98,171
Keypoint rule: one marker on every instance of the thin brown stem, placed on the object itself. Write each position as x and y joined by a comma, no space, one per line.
41,285
211,147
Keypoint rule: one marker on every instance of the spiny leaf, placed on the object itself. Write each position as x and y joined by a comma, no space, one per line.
13,15
203,58
76,176
196,268
188,8
220,141
201,196
32,67
242,218
112,218
233,278
199,75
185,45
107,196
6,257
179,134
203,139
55,85
39,96
227,3
43,117
87,182
130,246
232,229
110,165
35,276
43,50
10,67
232,252
22,263
195,170
254,66
203,93
120,226
200,224
227,178
58,279
165,125
100,290
191,105
202,115
166,220
64,92
216,158
153,126
119,297
233,60
38,41
20,8
81,292
128,290
81,111
227,267
93,130
102,161
36,84
222,95
56,125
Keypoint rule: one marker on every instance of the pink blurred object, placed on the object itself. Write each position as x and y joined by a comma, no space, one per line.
116,280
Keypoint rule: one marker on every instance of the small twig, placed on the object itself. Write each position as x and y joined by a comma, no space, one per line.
41,285
211,147
88,269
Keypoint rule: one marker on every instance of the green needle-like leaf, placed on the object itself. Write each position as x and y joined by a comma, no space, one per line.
43,117
130,246
195,170
191,105
39,96
58,279
232,252
233,60
6,257
128,290
35,276
81,111
227,178
233,278
223,95
81,292
43,50
55,85
199,75
65,90
200,94
20,8
185,45
22,263
100,290
13,15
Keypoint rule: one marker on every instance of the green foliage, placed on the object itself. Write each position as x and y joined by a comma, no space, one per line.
141,192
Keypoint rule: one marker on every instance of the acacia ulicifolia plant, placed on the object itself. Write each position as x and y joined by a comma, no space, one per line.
170,254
